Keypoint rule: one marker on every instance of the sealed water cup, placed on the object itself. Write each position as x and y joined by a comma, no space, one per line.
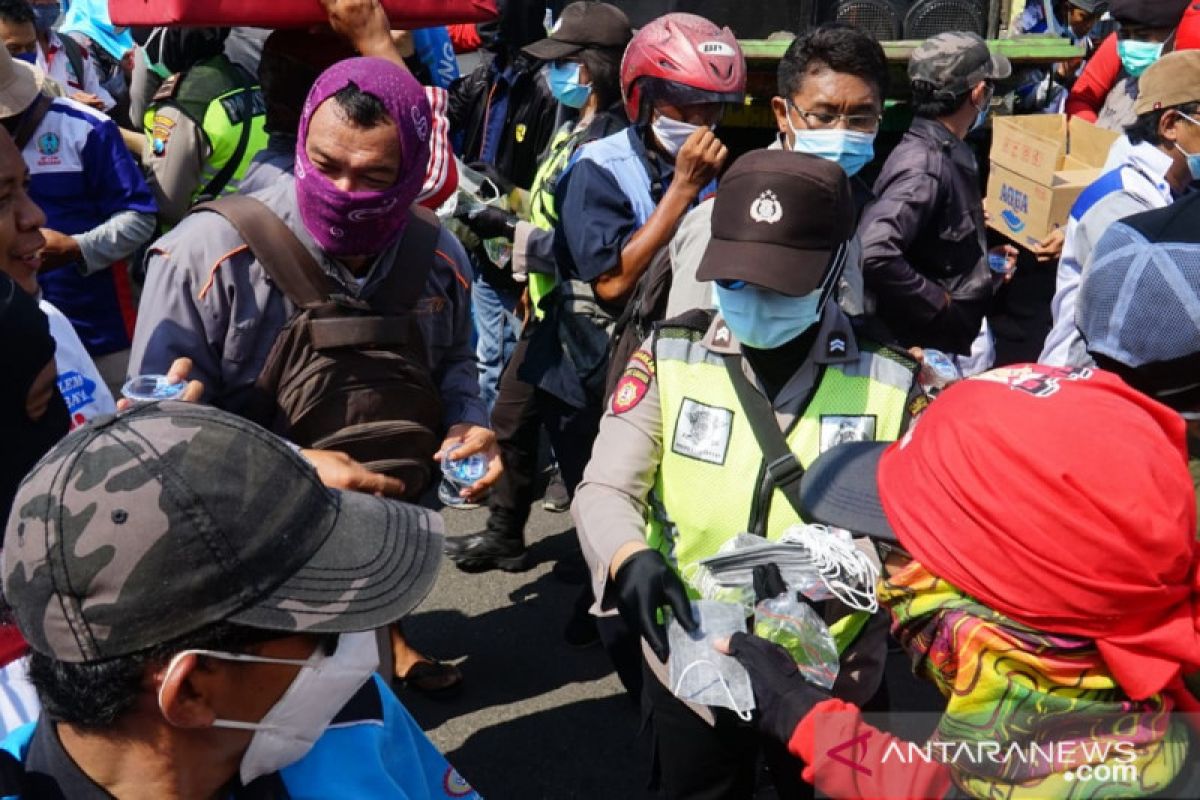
149,388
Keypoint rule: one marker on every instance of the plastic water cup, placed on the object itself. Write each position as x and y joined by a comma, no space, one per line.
463,472
998,263
149,388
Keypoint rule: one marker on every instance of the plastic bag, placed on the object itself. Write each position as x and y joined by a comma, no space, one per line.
699,673
796,627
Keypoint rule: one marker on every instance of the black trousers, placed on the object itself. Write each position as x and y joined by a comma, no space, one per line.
518,425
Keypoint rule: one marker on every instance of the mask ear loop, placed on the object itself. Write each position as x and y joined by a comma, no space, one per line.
838,564
745,716
836,268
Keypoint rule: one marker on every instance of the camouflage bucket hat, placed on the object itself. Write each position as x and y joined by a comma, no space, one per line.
140,528
953,63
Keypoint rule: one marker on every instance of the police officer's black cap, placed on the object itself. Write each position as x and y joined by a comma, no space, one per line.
779,220
1150,13
584,25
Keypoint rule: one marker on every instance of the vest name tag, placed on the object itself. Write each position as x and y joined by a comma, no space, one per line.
837,430
702,432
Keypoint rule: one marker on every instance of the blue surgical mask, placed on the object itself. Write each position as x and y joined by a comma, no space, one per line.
28,58
851,150
763,319
984,110
565,86
1137,56
1193,159
44,16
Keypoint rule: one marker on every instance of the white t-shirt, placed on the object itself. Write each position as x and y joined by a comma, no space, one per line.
79,381
56,64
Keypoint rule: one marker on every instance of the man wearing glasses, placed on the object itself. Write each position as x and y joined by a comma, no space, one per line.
832,81
925,254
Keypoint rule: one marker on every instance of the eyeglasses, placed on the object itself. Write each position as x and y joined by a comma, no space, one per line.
819,120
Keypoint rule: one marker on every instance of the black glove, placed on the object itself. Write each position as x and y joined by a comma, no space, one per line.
645,583
503,184
488,222
781,693
768,582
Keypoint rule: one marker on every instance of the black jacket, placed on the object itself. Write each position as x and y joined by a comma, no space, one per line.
528,125
924,240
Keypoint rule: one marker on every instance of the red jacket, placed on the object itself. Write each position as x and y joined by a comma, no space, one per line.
846,740
1098,79
1104,68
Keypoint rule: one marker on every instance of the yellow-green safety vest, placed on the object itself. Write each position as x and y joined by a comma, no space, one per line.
541,202
711,468
210,94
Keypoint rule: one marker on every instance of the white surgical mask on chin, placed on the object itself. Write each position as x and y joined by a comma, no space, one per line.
671,133
322,687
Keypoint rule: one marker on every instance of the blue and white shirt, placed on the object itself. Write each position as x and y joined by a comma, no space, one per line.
1136,185
82,175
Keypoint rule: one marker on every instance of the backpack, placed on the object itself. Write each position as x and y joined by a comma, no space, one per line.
347,374
74,53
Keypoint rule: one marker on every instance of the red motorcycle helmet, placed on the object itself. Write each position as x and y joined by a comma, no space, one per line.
682,59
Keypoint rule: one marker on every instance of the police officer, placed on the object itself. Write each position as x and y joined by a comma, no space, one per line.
677,445
205,123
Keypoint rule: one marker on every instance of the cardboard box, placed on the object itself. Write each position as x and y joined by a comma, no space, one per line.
290,13
1040,165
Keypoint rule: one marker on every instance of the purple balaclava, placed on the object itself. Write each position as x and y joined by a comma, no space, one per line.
365,223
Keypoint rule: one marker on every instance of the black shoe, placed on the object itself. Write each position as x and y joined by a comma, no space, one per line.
483,552
556,500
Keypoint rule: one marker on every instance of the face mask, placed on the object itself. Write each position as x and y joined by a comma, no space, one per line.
45,16
984,110
1193,159
763,319
671,133
28,58
701,674
345,224
322,687
1137,56
851,150
565,85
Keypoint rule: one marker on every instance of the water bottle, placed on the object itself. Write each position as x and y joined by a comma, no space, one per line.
463,472
937,372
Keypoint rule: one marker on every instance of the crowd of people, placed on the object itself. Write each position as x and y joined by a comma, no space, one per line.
275,301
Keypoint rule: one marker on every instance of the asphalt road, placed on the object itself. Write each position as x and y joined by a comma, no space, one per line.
536,718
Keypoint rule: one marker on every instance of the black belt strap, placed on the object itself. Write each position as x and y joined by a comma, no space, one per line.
783,469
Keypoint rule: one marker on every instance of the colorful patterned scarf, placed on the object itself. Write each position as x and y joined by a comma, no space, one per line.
1051,696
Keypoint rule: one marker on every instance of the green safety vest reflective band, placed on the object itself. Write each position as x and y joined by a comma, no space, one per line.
212,95
712,466
541,202
707,483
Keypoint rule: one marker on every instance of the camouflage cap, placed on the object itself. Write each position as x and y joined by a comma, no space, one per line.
140,528
953,63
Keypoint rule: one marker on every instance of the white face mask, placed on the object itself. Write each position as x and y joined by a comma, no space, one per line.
290,728
671,133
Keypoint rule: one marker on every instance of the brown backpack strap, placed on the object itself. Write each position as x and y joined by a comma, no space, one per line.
405,284
31,119
288,262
